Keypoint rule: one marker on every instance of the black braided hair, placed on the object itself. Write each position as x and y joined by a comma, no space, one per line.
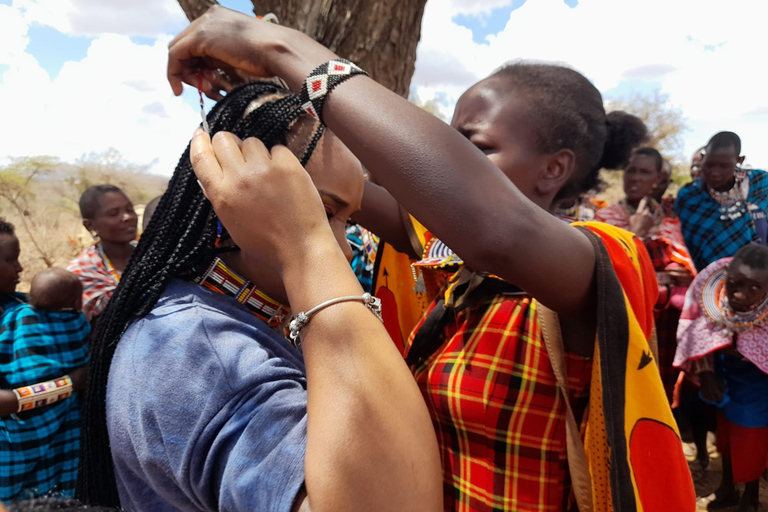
566,112
179,240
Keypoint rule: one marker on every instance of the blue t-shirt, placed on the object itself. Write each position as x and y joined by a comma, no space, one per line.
206,409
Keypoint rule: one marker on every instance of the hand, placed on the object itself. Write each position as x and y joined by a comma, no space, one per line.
79,377
9,404
641,222
680,276
266,199
712,388
229,48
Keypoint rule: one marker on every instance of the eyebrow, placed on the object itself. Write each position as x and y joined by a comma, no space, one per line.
333,197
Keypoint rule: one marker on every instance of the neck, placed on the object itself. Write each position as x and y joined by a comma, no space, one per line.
728,186
633,203
265,281
118,253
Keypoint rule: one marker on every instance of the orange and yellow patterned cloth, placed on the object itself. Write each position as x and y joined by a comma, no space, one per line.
500,419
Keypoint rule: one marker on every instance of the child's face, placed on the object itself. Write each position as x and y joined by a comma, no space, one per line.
745,286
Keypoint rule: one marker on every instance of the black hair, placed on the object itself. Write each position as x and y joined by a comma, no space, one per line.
179,240
567,112
753,256
59,504
149,211
651,152
724,140
89,200
6,228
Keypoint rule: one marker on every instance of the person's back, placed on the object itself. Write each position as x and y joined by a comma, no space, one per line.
42,341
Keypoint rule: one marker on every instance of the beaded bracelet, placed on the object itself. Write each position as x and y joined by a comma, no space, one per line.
302,319
321,81
43,393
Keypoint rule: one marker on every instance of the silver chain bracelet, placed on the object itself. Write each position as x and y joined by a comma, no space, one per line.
302,319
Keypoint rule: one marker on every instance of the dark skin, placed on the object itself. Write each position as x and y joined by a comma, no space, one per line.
665,178
390,142
115,223
718,167
640,179
745,287
10,269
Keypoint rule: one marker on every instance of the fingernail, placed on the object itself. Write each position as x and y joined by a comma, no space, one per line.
198,131
202,188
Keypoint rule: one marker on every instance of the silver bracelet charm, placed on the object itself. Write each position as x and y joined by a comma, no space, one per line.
302,319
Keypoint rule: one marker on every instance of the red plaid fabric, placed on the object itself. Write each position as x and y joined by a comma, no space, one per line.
98,283
499,418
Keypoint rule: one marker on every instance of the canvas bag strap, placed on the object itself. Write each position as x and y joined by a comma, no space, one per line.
581,481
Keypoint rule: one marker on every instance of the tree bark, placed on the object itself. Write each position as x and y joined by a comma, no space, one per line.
380,36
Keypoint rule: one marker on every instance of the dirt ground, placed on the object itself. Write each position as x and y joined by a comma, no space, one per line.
706,481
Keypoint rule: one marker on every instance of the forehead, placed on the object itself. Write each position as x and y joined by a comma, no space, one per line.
739,270
111,200
642,161
9,244
488,103
721,155
334,169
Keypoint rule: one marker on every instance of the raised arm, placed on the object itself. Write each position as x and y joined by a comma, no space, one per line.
370,441
431,169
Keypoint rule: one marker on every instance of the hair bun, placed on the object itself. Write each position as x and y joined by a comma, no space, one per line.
625,132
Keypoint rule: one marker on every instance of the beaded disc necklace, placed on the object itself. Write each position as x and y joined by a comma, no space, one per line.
714,304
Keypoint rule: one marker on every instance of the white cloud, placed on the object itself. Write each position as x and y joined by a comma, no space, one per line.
115,97
475,7
148,18
708,56
13,34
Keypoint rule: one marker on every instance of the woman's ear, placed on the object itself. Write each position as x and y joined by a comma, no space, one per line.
87,224
560,169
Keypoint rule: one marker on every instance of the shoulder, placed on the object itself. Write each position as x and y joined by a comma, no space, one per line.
191,327
84,261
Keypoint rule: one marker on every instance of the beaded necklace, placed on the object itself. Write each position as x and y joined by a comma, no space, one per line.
220,278
714,304
732,202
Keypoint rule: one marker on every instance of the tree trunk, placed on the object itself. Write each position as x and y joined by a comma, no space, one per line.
378,35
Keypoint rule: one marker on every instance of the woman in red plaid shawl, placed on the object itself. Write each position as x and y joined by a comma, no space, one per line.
107,214
641,214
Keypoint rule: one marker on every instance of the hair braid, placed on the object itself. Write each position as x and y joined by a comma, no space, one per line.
179,239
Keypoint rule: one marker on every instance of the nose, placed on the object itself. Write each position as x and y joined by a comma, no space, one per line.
19,268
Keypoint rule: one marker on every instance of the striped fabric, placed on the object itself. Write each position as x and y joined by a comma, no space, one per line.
39,449
711,238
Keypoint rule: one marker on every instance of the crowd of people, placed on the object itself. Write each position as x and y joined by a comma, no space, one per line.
248,353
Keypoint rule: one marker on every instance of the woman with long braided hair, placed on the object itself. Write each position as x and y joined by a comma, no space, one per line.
197,401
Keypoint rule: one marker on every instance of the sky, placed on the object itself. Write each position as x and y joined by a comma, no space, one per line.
83,76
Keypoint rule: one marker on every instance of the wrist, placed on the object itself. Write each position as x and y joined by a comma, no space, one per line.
295,56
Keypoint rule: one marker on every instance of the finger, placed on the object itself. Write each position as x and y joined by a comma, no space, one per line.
643,205
226,147
204,162
284,155
255,152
